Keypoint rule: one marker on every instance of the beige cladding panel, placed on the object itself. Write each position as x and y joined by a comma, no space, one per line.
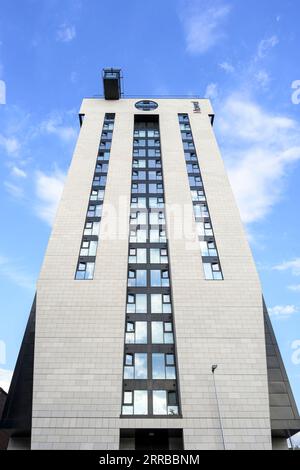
80,324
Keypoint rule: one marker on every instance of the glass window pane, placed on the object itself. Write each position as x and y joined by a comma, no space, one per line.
158,366
168,338
159,402
140,366
141,332
127,410
140,402
170,373
207,271
141,278
127,398
128,372
141,255
141,303
157,332
89,270
155,278
154,255
156,303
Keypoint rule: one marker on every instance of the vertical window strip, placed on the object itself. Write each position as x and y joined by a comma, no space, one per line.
208,249
149,321
89,242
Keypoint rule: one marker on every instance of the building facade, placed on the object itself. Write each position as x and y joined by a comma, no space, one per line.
147,282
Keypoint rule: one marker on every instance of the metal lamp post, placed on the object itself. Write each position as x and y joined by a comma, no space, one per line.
213,368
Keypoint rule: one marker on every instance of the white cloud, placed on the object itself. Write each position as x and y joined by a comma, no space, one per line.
5,378
259,147
15,274
54,125
294,288
65,33
227,67
211,91
283,310
202,23
293,265
10,144
14,190
18,172
48,190
266,45
262,78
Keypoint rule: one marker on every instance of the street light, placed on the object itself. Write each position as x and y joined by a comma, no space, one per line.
213,368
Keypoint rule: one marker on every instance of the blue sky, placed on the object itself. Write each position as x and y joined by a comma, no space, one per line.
244,55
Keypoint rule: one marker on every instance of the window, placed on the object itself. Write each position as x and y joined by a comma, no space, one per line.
200,211
135,403
139,152
188,145
190,156
103,156
153,133
160,303
212,271
94,210
160,278
204,229
156,202
85,270
99,181
136,303
198,195
157,235
195,181
139,133
138,188
163,366
153,152
186,136
139,163
88,248
139,142
164,402
156,188
146,105
138,218
137,255
105,144
139,175
139,202
158,255
153,142
137,278
193,168
183,118
162,332
185,127
135,366
106,135
154,163
157,218
138,235
208,248
102,167
136,332
155,175
97,195
91,228
108,125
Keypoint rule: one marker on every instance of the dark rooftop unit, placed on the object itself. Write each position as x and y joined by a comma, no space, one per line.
112,83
